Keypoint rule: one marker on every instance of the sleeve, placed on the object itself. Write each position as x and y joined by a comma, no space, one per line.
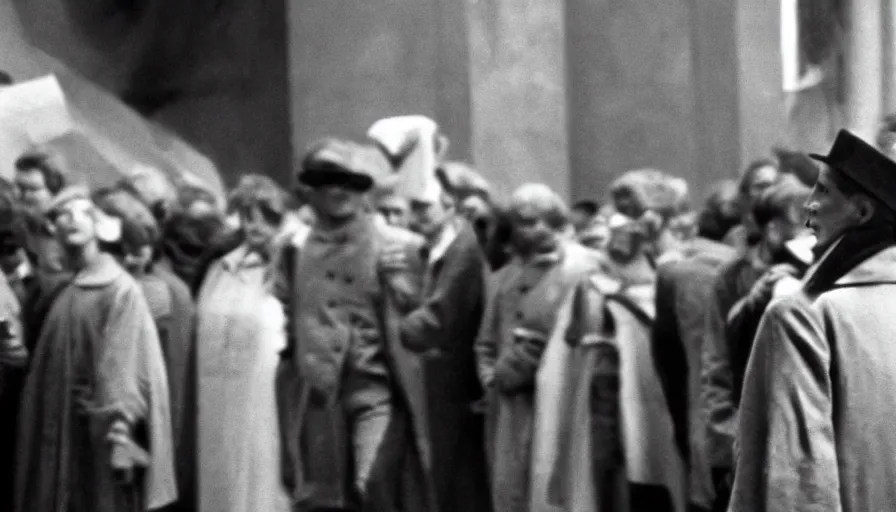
788,458
716,389
670,358
593,333
457,294
282,271
129,340
486,345
740,330
401,268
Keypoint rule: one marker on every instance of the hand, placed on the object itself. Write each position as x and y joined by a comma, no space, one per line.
122,465
763,288
394,258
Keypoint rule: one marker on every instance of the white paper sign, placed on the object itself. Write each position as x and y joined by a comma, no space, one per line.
36,108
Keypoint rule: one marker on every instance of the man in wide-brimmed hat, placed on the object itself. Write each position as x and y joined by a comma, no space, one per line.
815,429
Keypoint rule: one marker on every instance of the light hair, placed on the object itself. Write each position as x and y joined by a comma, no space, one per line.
543,198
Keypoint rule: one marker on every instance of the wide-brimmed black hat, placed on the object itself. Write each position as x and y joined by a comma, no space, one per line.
865,165
335,162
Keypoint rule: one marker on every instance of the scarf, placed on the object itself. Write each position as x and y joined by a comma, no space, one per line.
845,254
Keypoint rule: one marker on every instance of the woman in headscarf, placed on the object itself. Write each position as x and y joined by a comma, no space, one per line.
240,334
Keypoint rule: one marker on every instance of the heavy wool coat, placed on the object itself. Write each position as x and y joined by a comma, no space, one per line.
515,331
683,292
315,442
174,314
815,426
443,329
615,344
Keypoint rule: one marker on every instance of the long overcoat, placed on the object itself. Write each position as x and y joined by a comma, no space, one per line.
443,329
316,469
632,413
526,302
683,291
815,427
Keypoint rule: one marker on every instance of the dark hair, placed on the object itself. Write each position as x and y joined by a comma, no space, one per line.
139,225
497,247
13,225
5,79
50,165
258,191
779,200
713,222
749,174
587,206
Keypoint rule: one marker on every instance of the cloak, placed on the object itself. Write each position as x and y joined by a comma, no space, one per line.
97,363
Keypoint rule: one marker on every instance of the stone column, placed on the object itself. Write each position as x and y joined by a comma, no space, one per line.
518,88
355,61
716,92
762,103
864,58
631,91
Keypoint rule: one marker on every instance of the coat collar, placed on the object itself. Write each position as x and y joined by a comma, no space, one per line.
880,267
102,272
446,238
352,230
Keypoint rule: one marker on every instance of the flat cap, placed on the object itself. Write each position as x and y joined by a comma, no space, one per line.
335,162
873,171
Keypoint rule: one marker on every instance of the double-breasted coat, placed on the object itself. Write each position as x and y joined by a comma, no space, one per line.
815,428
316,465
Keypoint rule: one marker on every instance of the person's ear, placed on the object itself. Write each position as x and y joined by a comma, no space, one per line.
864,208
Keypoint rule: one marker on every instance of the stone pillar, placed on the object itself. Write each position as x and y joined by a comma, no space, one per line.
864,58
762,101
518,88
716,92
355,61
631,91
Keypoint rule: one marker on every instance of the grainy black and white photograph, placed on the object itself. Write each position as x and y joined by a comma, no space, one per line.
447,256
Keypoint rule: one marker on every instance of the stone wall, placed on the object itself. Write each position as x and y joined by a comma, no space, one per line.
353,62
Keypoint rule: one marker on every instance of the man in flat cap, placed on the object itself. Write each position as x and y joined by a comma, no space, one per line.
815,425
355,429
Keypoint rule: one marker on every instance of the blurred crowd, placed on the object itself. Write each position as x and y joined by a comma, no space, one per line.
388,334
